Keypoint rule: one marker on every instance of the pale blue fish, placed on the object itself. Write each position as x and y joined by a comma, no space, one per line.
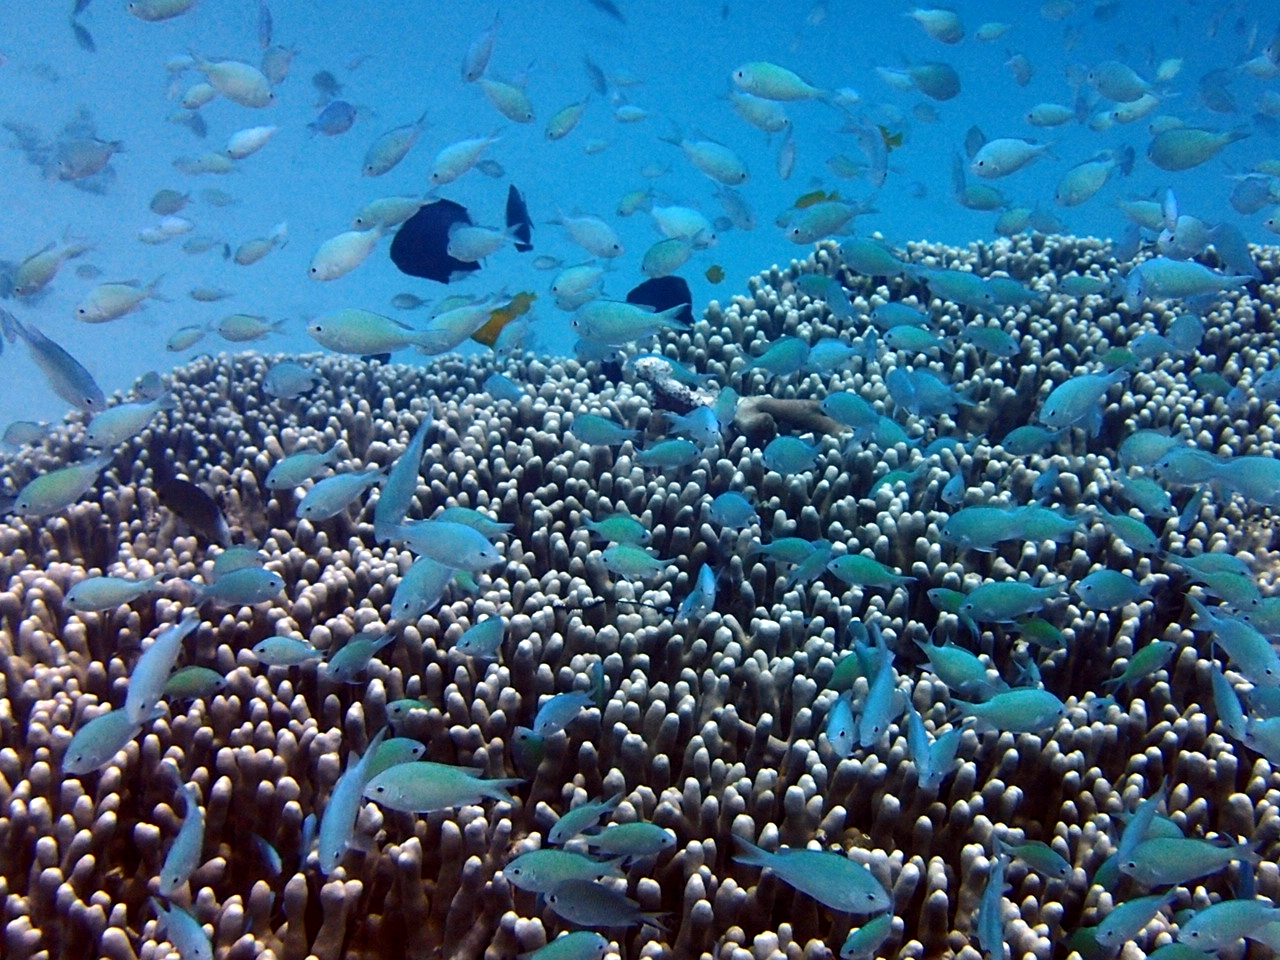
1039,856
819,286
1257,479
425,787
1078,401
582,818
1163,279
960,670
1022,710
577,945
922,394
98,741
632,562
501,387
558,711
701,600
1046,485
287,380
59,489
785,549
1226,703
992,340
1007,292
958,286
669,454
184,855
1127,920
285,651
1154,656
1185,466
1158,861
731,509
590,904
600,431
842,726
476,520
832,879
184,931
298,468
455,545
151,672
394,751
124,421
699,425
790,455
1108,589
615,323
895,313
852,410
420,590
484,639
236,558
1148,496
1224,923
619,528
982,527
812,567
883,702
107,593
354,656
988,926
864,942
830,354
1250,651
1140,825
726,406
193,683
784,356
871,258
338,823
639,839
1143,448
916,340
244,587
332,495
401,484
950,601
1029,439
541,871
858,570
402,709
1003,601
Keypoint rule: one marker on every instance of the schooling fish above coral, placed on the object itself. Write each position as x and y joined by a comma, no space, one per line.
788,761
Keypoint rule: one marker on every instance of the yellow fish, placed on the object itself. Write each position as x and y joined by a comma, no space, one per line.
515,308
816,196
891,140
715,273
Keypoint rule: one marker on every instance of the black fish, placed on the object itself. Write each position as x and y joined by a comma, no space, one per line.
608,6
83,37
195,507
421,245
663,294
518,217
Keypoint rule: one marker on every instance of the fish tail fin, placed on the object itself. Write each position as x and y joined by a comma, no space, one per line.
751,854
497,789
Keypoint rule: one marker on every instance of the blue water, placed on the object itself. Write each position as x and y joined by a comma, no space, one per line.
396,60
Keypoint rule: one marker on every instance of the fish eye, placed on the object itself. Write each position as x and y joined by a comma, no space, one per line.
379,789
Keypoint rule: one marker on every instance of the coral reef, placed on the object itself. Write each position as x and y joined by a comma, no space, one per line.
710,729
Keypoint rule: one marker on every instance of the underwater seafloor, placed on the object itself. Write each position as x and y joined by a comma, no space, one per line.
712,729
